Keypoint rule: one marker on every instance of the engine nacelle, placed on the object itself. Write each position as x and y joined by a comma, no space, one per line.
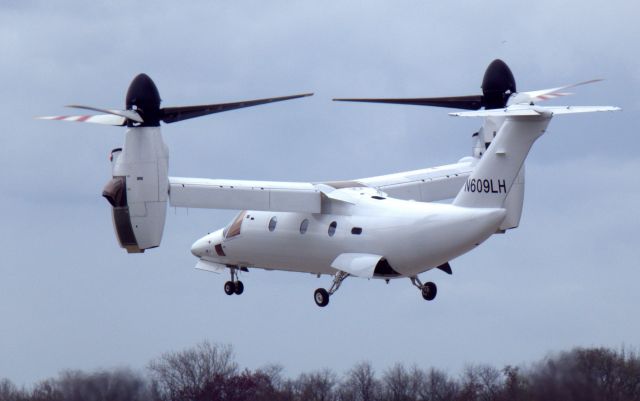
138,191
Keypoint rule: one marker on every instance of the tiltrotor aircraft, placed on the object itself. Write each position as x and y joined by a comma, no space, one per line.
387,227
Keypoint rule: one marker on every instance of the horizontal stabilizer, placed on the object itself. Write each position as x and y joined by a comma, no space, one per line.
357,264
546,94
519,110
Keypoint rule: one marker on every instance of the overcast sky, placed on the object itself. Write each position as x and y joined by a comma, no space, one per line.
71,298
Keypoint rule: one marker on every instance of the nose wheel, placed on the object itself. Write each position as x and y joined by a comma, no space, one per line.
234,286
428,290
231,287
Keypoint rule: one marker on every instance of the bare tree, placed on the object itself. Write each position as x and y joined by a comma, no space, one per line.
360,384
116,385
208,372
516,385
46,391
186,375
316,386
288,390
396,384
481,383
417,383
272,383
275,374
588,375
9,391
433,385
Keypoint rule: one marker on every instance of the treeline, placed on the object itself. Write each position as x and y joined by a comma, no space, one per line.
209,372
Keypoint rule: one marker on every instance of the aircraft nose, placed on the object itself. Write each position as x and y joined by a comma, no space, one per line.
205,247
201,247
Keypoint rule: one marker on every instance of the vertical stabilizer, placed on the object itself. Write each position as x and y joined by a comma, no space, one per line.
494,175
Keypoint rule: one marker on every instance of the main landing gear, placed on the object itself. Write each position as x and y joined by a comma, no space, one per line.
428,289
321,296
234,286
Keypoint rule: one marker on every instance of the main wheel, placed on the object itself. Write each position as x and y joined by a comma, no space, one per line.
429,291
321,296
229,288
239,287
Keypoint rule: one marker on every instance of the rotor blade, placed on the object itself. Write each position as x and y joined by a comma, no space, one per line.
473,102
174,114
129,114
104,119
547,94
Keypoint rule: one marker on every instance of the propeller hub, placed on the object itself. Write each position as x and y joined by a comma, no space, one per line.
497,85
144,98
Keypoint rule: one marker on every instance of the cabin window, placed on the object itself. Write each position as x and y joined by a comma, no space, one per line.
356,230
272,223
304,226
332,228
377,197
234,228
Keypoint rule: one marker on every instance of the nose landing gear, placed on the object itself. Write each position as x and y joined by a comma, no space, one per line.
234,286
428,290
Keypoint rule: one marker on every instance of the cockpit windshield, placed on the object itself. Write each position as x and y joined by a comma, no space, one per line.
233,229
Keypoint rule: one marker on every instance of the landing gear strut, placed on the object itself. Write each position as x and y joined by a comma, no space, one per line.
234,286
428,289
321,296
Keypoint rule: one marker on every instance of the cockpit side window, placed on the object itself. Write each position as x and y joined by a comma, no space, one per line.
234,228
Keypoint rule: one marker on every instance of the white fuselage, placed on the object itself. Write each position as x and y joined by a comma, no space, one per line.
412,236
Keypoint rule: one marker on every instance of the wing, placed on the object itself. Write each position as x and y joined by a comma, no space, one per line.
426,185
240,194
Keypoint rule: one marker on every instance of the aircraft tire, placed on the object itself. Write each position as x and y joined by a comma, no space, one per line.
321,296
239,288
229,288
429,291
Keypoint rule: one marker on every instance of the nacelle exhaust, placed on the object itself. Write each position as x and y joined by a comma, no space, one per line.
115,193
